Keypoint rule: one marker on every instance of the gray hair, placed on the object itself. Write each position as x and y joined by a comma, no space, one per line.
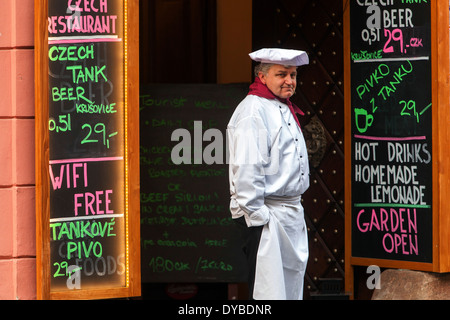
264,68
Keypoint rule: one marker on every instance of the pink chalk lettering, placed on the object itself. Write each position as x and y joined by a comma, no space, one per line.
87,5
96,203
406,244
75,173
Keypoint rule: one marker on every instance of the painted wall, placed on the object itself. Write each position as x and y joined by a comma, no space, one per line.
17,215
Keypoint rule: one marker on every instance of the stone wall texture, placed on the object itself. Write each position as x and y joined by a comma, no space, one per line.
412,285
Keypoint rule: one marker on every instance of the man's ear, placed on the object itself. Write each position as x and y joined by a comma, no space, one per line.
262,77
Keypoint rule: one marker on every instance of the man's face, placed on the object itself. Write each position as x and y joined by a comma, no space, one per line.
280,80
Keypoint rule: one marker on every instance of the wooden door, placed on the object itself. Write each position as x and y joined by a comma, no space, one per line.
316,27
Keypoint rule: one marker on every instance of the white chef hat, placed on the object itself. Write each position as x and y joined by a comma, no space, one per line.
287,57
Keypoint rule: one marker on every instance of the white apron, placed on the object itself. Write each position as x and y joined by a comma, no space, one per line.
283,252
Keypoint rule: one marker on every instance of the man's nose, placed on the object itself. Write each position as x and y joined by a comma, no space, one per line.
288,80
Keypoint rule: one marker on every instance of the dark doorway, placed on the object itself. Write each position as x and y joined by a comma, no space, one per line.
178,41
178,44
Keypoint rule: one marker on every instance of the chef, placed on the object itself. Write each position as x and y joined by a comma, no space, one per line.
268,174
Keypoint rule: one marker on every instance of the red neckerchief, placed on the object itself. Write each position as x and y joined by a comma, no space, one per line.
259,89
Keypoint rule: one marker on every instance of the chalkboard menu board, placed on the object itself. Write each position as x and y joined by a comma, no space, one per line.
186,227
391,130
86,143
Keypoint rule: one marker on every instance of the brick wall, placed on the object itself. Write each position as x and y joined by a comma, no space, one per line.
17,192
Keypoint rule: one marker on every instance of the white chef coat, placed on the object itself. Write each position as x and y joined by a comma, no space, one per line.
268,173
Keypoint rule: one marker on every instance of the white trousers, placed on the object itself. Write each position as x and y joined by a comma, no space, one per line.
282,253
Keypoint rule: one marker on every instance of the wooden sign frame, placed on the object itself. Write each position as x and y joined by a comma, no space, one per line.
440,137
131,184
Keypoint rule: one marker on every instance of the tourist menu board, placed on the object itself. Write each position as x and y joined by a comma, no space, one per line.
187,233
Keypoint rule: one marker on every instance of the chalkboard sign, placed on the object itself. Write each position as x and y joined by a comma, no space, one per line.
186,227
88,145
391,130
